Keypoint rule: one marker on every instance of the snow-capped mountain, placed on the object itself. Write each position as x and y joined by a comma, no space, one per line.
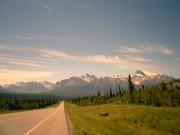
88,78
30,87
3,90
76,81
148,79
145,73
88,84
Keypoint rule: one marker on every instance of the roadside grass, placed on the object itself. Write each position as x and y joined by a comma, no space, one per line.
123,119
2,111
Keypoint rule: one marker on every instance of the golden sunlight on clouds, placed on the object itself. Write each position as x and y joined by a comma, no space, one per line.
12,76
146,48
22,61
55,54
104,59
168,51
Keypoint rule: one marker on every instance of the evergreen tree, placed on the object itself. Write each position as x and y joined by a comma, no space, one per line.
110,93
150,96
143,87
163,86
98,94
120,92
172,94
130,89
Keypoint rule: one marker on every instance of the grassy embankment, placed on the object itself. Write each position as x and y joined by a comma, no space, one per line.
124,119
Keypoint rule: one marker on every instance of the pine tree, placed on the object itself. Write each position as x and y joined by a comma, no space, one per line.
98,94
172,94
163,86
120,93
142,87
110,92
150,96
130,89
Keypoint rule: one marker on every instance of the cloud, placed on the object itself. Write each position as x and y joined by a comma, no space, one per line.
104,59
46,6
21,61
55,54
45,58
168,51
39,36
44,53
19,37
49,37
115,61
141,48
138,59
13,48
126,62
125,49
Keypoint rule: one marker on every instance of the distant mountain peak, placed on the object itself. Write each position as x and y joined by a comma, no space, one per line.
146,73
139,73
88,84
146,77
88,77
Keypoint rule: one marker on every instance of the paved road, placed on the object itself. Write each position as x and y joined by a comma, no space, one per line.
51,121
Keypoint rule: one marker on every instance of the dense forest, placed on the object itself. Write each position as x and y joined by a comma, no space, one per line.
15,104
164,94
26,101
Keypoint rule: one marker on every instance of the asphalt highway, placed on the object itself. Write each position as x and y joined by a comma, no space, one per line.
50,121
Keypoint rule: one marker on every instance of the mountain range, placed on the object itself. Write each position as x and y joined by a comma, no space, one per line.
85,85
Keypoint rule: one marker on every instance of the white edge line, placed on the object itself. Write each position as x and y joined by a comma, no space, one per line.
32,129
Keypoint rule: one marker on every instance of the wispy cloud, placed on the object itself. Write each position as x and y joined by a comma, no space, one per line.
42,37
47,36
125,49
13,48
124,62
19,37
146,48
45,58
39,36
56,54
111,60
138,59
21,61
46,6
104,59
168,51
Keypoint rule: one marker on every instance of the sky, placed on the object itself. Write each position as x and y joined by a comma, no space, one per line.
55,39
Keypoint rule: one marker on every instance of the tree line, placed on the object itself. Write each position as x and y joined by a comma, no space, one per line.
164,94
19,104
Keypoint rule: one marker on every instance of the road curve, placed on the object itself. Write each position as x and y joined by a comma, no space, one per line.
50,121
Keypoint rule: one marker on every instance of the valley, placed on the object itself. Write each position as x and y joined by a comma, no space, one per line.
89,67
